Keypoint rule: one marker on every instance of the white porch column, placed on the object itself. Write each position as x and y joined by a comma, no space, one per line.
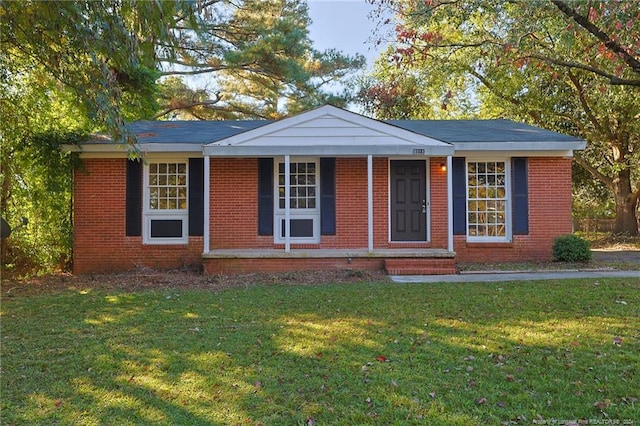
370,202
449,204
207,205
287,204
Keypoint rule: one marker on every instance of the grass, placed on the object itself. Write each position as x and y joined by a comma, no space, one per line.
460,354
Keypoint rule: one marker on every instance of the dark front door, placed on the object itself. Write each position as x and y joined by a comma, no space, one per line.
408,200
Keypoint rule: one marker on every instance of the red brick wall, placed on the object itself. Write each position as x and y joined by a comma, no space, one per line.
236,182
239,266
100,244
439,207
233,221
549,216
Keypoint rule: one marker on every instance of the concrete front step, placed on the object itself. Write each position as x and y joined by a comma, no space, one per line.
420,266
403,261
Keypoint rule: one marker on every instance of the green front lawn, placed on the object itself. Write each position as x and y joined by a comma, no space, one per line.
503,353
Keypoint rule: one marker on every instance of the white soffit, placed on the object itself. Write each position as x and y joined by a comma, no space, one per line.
327,131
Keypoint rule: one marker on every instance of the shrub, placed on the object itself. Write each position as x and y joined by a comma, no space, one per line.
571,248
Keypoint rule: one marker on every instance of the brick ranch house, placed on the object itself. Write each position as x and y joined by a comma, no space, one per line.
325,189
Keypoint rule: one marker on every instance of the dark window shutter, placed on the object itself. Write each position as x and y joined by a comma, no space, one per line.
265,196
459,192
196,196
328,196
133,206
520,191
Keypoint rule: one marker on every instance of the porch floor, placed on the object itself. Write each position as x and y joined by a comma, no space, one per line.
404,261
267,253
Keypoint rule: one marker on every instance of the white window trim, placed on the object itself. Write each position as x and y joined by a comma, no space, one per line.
149,215
279,213
508,236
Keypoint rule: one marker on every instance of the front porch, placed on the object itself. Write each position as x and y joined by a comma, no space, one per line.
393,261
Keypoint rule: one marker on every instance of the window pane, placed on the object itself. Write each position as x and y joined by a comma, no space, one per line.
303,186
486,199
168,186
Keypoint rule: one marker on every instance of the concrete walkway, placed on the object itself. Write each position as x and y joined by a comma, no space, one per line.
494,276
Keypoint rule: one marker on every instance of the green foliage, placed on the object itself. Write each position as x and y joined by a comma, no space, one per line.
547,63
38,186
104,52
571,248
259,63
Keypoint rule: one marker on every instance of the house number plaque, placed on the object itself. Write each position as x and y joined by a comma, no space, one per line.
418,151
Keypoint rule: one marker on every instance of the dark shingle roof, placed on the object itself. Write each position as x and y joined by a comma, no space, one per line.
191,132
450,131
481,131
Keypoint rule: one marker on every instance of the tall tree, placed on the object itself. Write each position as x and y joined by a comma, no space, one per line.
570,66
104,52
253,59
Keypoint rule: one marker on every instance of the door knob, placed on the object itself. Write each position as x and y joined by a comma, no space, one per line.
424,206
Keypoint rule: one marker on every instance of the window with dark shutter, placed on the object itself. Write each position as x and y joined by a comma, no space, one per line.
520,192
328,196
265,196
133,204
196,196
459,192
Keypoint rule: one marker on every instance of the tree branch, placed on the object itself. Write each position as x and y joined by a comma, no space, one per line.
187,106
610,44
594,172
583,101
613,80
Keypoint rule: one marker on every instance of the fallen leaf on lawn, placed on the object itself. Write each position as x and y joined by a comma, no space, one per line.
58,403
432,395
394,384
621,302
257,384
310,421
481,401
501,404
469,369
509,377
381,358
617,341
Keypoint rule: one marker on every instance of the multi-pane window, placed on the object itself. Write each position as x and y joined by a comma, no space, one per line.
166,203
303,185
487,199
167,186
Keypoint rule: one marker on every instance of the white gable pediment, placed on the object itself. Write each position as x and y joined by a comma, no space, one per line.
328,131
